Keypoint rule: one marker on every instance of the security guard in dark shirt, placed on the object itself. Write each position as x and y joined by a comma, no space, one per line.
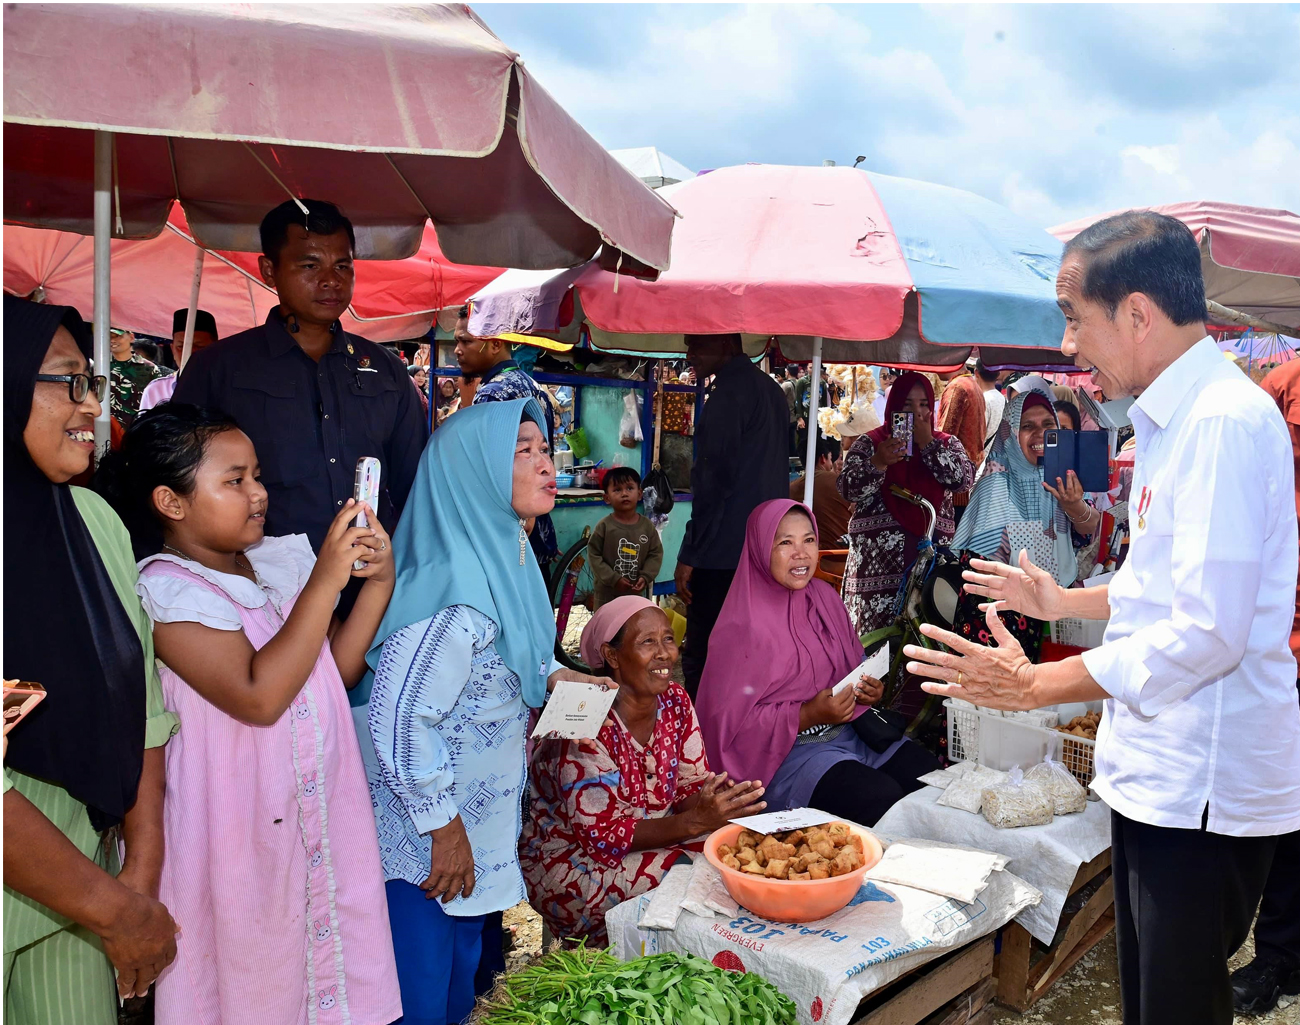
313,398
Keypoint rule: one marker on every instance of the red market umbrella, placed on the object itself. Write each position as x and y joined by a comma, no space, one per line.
1250,256
397,114
832,262
878,269
394,299
400,115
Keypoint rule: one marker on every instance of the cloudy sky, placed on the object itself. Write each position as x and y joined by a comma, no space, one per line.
1055,111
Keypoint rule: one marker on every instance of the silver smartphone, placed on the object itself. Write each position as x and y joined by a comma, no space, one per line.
365,488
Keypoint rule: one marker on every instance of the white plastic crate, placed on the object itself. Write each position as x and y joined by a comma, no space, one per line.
979,735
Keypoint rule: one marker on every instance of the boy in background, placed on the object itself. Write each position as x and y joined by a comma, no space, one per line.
624,551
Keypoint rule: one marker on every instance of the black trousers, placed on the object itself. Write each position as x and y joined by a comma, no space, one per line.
850,790
1277,932
709,589
1184,901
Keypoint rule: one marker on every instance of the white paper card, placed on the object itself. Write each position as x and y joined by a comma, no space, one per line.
574,711
795,818
876,665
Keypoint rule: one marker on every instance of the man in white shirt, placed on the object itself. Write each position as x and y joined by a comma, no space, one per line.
205,334
995,403
1198,753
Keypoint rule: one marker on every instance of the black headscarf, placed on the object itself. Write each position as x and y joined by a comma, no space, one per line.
64,625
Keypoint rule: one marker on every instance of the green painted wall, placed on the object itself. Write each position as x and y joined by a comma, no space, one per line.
601,414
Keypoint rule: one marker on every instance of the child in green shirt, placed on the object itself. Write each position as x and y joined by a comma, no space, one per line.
624,551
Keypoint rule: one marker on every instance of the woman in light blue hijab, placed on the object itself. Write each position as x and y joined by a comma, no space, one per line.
465,648
1011,508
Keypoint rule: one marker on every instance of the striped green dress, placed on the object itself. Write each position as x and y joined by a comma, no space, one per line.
56,972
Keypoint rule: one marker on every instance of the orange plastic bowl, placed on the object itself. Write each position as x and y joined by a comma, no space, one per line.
781,900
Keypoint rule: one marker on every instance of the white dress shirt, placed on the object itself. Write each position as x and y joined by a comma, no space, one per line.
1203,707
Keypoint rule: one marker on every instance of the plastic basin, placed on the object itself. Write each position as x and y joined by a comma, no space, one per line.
780,900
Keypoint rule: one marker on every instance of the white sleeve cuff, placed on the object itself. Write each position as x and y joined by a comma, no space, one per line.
1120,675
433,814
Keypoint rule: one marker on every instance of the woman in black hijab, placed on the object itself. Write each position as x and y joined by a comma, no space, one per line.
78,766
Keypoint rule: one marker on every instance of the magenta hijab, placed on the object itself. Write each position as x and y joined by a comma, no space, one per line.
768,654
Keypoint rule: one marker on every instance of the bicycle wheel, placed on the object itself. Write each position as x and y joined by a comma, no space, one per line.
573,591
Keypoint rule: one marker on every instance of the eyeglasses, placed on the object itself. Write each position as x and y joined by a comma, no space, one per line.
79,385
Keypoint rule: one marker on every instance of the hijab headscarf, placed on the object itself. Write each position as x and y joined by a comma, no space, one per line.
64,625
608,620
762,664
1012,489
458,542
910,473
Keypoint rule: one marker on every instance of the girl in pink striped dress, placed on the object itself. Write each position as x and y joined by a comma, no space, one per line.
272,867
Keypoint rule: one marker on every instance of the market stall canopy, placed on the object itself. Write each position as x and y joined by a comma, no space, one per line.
652,167
883,269
1260,349
1250,256
397,114
393,299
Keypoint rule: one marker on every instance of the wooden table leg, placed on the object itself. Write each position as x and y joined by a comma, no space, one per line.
1013,967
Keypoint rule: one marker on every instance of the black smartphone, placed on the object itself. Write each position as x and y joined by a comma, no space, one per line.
1087,453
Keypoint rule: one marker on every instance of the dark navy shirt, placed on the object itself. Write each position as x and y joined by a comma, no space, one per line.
742,444
310,422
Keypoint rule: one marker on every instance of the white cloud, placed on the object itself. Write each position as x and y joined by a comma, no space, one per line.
1055,111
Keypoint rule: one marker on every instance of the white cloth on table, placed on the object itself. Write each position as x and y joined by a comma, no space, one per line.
1202,682
666,899
1047,857
948,871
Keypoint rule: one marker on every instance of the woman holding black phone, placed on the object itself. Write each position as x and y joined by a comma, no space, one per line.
1013,508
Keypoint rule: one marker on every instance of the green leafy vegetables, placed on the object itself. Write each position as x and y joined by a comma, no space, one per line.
595,988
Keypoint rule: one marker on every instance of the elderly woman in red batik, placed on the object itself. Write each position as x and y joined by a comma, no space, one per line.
610,816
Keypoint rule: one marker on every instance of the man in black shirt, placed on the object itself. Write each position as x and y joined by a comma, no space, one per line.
313,398
741,461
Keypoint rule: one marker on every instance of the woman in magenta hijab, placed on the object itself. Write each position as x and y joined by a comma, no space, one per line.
884,530
766,707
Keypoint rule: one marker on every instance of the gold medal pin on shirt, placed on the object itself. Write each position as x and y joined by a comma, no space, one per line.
1144,504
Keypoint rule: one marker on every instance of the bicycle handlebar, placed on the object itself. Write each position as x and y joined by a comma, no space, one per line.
923,503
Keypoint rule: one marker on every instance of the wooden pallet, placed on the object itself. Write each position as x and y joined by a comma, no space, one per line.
952,990
1020,985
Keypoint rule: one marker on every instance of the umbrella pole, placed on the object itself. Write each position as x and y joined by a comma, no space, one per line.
103,233
814,397
188,343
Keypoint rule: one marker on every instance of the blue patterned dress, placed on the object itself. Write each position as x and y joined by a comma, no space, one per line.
447,722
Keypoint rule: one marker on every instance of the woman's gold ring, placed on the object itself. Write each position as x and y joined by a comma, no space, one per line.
958,677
